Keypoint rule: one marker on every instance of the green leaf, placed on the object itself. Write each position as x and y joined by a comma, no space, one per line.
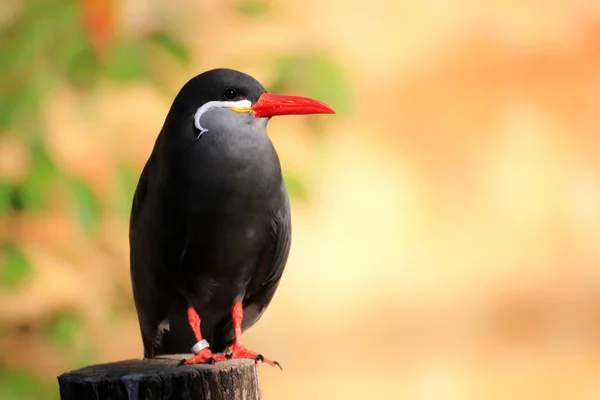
15,269
6,196
79,63
126,184
172,46
20,385
125,62
252,8
63,330
295,186
33,193
32,45
87,208
315,75
22,98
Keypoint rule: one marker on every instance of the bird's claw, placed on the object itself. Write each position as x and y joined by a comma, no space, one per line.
261,358
204,357
228,356
239,351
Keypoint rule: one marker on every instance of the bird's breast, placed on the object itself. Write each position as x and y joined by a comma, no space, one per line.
241,161
230,188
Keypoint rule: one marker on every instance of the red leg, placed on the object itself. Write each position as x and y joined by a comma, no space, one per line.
237,349
204,356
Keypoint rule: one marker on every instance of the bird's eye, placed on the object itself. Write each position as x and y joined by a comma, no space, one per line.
230,94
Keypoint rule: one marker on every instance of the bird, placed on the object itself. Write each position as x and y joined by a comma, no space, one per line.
210,225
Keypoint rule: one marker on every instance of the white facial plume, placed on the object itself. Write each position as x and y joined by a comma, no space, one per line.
217,104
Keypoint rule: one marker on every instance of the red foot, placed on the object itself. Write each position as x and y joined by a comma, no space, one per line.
205,356
240,351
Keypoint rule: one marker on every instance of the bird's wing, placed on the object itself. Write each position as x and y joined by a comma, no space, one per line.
271,266
153,243
282,237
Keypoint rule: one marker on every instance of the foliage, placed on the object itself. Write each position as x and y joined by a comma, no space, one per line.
253,8
14,267
45,45
316,75
23,385
50,44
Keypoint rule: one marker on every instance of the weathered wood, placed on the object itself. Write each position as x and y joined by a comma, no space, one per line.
162,379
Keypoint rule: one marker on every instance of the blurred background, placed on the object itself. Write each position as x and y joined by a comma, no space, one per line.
446,221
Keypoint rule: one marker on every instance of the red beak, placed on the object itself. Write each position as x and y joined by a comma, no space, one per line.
270,105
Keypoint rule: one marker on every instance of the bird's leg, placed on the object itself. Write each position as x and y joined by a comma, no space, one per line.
204,356
237,349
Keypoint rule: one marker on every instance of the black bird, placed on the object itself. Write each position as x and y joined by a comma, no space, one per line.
210,226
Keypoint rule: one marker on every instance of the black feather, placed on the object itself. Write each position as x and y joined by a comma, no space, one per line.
210,221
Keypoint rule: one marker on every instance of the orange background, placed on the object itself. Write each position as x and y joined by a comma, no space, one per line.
449,248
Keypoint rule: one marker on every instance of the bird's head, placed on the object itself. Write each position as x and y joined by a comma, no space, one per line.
237,97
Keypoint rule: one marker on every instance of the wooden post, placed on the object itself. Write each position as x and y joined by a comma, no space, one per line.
162,379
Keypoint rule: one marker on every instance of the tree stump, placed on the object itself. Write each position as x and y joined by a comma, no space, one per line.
161,379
